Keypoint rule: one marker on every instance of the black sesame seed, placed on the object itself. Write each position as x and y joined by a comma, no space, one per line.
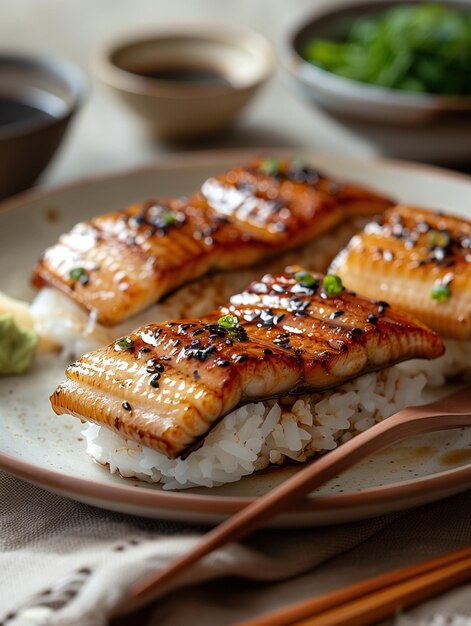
202,355
229,342
267,351
240,358
278,318
195,343
144,349
196,375
352,293
198,331
222,363
154,381
126,406
356,331
300,314
336,314
372,318
183,327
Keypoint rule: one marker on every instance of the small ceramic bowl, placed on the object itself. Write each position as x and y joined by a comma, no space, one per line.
410,125
187,82
38,97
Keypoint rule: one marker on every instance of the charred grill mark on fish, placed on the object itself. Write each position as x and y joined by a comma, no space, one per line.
119,263
418,260
234,360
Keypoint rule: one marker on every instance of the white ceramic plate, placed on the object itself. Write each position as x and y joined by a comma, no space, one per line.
48,450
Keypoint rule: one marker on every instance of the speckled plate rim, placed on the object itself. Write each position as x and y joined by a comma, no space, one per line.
82,488
404,494
189,159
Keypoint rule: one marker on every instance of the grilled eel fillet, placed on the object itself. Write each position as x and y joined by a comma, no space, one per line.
419,261
119,263
168,384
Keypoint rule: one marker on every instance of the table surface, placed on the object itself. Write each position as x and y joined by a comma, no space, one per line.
106,136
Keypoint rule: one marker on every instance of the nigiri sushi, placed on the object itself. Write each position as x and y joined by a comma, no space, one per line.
117,265
288,368
420,261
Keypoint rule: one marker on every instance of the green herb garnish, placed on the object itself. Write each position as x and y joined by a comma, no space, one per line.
332,284
126,343
270,166
305,279
439,238
169,219
440,293
424,47
78,273
229,322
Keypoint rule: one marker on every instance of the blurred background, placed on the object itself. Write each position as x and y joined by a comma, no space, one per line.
105,136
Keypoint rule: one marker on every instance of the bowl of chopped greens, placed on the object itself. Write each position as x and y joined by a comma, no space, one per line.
389,62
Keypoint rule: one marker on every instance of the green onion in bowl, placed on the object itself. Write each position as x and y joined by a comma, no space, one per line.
418,48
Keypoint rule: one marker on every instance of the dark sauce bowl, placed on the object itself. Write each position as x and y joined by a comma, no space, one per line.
186,82
39,95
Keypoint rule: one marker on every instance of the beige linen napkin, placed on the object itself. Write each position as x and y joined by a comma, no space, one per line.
65,563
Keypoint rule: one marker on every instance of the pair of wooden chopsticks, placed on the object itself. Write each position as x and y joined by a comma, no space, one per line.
377,598
453,411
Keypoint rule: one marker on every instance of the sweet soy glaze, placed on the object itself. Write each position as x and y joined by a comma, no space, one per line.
16,111
185,74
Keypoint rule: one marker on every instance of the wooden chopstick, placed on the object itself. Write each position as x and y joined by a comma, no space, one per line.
453,411
377,606
344,602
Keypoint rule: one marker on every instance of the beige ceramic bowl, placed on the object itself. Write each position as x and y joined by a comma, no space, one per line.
179,109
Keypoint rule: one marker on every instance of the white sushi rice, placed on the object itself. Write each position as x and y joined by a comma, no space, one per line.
455,363
263,433
64,324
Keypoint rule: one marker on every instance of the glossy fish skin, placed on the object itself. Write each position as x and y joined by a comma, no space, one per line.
404,256
118,264
168,384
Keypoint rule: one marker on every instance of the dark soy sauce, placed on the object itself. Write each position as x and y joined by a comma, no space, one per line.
13,111
190,75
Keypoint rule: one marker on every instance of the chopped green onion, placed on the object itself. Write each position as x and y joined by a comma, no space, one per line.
228,321
420,47
332,284
126,343
77,273
440,293
169,219
439,238
305,279
270,166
